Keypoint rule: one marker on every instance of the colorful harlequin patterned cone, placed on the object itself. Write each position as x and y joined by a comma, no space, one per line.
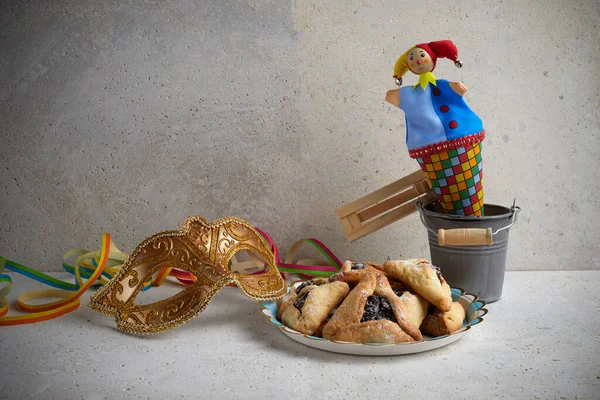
457,177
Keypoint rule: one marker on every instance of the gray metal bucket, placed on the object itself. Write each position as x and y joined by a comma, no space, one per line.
470,251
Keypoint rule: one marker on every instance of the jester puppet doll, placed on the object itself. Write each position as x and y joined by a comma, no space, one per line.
442,132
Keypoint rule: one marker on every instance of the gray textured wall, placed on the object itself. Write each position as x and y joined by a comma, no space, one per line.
127,117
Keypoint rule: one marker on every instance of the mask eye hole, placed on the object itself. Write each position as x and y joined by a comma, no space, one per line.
247,262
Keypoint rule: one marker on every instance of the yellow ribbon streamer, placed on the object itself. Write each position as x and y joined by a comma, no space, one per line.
70,300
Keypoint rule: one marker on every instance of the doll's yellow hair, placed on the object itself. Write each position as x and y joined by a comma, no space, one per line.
402,65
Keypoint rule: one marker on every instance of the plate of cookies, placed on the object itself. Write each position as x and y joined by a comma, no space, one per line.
400,307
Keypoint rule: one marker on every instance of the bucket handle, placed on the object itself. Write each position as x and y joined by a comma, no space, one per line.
467,236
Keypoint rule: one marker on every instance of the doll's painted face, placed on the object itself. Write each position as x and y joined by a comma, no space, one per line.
419,61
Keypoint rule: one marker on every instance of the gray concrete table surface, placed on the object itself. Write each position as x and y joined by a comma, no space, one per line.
540,341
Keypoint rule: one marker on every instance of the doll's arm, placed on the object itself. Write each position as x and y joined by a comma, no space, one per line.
459,88
393,96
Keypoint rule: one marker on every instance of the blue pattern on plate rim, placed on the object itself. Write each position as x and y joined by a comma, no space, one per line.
476,309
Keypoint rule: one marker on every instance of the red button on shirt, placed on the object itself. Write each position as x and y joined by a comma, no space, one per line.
444,109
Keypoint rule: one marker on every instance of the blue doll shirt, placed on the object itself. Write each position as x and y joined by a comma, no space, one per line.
436,114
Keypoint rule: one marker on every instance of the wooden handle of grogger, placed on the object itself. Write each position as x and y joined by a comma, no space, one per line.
465,237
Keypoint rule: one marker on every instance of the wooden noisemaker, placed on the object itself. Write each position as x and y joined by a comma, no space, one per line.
386,205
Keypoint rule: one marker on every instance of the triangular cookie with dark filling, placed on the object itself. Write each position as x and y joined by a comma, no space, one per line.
310,305
283,302
352,272
442,323
373,313
423,278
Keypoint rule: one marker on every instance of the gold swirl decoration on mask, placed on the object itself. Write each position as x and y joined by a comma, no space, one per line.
201,248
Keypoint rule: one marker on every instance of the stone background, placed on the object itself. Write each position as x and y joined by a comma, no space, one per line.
128,116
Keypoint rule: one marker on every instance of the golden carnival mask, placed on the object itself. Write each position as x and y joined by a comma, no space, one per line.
201,248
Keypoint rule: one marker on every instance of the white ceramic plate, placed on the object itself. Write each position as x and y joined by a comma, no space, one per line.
474,310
